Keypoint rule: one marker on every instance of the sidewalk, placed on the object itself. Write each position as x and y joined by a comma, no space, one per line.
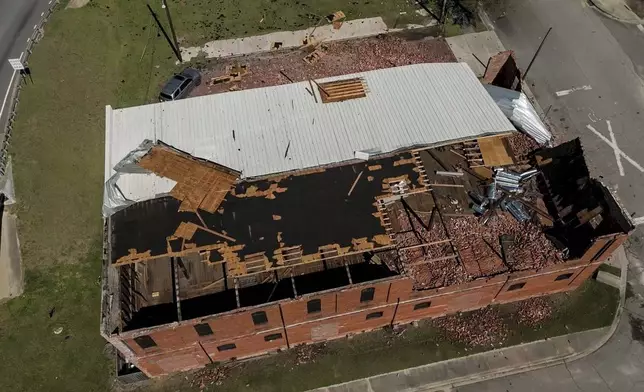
358,28
618,10
493,364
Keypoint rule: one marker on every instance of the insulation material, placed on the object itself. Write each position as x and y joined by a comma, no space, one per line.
519,110
126,171
159,170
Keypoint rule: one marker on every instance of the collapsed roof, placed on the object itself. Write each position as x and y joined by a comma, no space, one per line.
278,129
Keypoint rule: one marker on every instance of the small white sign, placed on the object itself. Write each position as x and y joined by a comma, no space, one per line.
16,64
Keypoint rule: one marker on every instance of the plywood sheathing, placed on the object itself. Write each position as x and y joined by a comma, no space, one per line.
253,191
342,90
374,167
495,151
200,184
186,230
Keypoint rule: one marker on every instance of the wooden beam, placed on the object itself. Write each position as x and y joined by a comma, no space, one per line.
423,245
448,185
436,259
354,183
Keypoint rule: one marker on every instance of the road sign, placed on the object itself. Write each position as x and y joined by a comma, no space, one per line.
16,64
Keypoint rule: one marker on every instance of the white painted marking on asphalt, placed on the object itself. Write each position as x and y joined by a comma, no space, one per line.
638,221
42,13
617,157
592,117
572,90
640,27
35,26
616,148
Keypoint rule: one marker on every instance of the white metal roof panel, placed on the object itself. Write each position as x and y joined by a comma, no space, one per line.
415,105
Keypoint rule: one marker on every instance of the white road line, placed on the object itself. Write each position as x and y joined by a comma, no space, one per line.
35,26
572,90
615,150
42,13
638,221
621,153
640,27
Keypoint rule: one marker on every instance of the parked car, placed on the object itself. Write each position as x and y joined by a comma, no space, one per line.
180,85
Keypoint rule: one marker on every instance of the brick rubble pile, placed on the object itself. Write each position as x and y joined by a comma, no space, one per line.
427,274
480,328
534,311
340,58
530,247
210,375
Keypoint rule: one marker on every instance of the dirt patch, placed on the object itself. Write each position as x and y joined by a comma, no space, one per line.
636,6
338,58
77,3
637,328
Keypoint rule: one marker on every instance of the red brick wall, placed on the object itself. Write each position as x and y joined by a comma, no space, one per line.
348,300
295,311
246,346
186,358
339,326
179,347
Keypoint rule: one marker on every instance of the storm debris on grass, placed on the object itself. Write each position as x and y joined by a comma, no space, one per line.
307,353
534,311
341,58
210,375
480,328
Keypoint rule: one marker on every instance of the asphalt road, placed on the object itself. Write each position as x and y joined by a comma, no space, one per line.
17,20
588,49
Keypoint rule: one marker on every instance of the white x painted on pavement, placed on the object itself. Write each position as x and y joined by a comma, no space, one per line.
619,154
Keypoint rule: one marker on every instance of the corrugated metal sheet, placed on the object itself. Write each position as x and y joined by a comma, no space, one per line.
416,105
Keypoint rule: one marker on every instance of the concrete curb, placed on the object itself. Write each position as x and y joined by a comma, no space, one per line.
599,6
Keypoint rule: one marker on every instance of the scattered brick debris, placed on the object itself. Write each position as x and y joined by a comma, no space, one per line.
306,353
421,262
480,247
341,58
210,375
480,328
534,311
522,146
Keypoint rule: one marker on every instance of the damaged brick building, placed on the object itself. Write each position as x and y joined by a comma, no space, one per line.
253,221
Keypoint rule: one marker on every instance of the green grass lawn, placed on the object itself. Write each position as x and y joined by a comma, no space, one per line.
591,306
199,21
611,269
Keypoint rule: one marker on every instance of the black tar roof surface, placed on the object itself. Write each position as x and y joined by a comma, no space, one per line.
313,211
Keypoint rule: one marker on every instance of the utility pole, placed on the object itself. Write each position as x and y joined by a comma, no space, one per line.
174,49
174,35
525,74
